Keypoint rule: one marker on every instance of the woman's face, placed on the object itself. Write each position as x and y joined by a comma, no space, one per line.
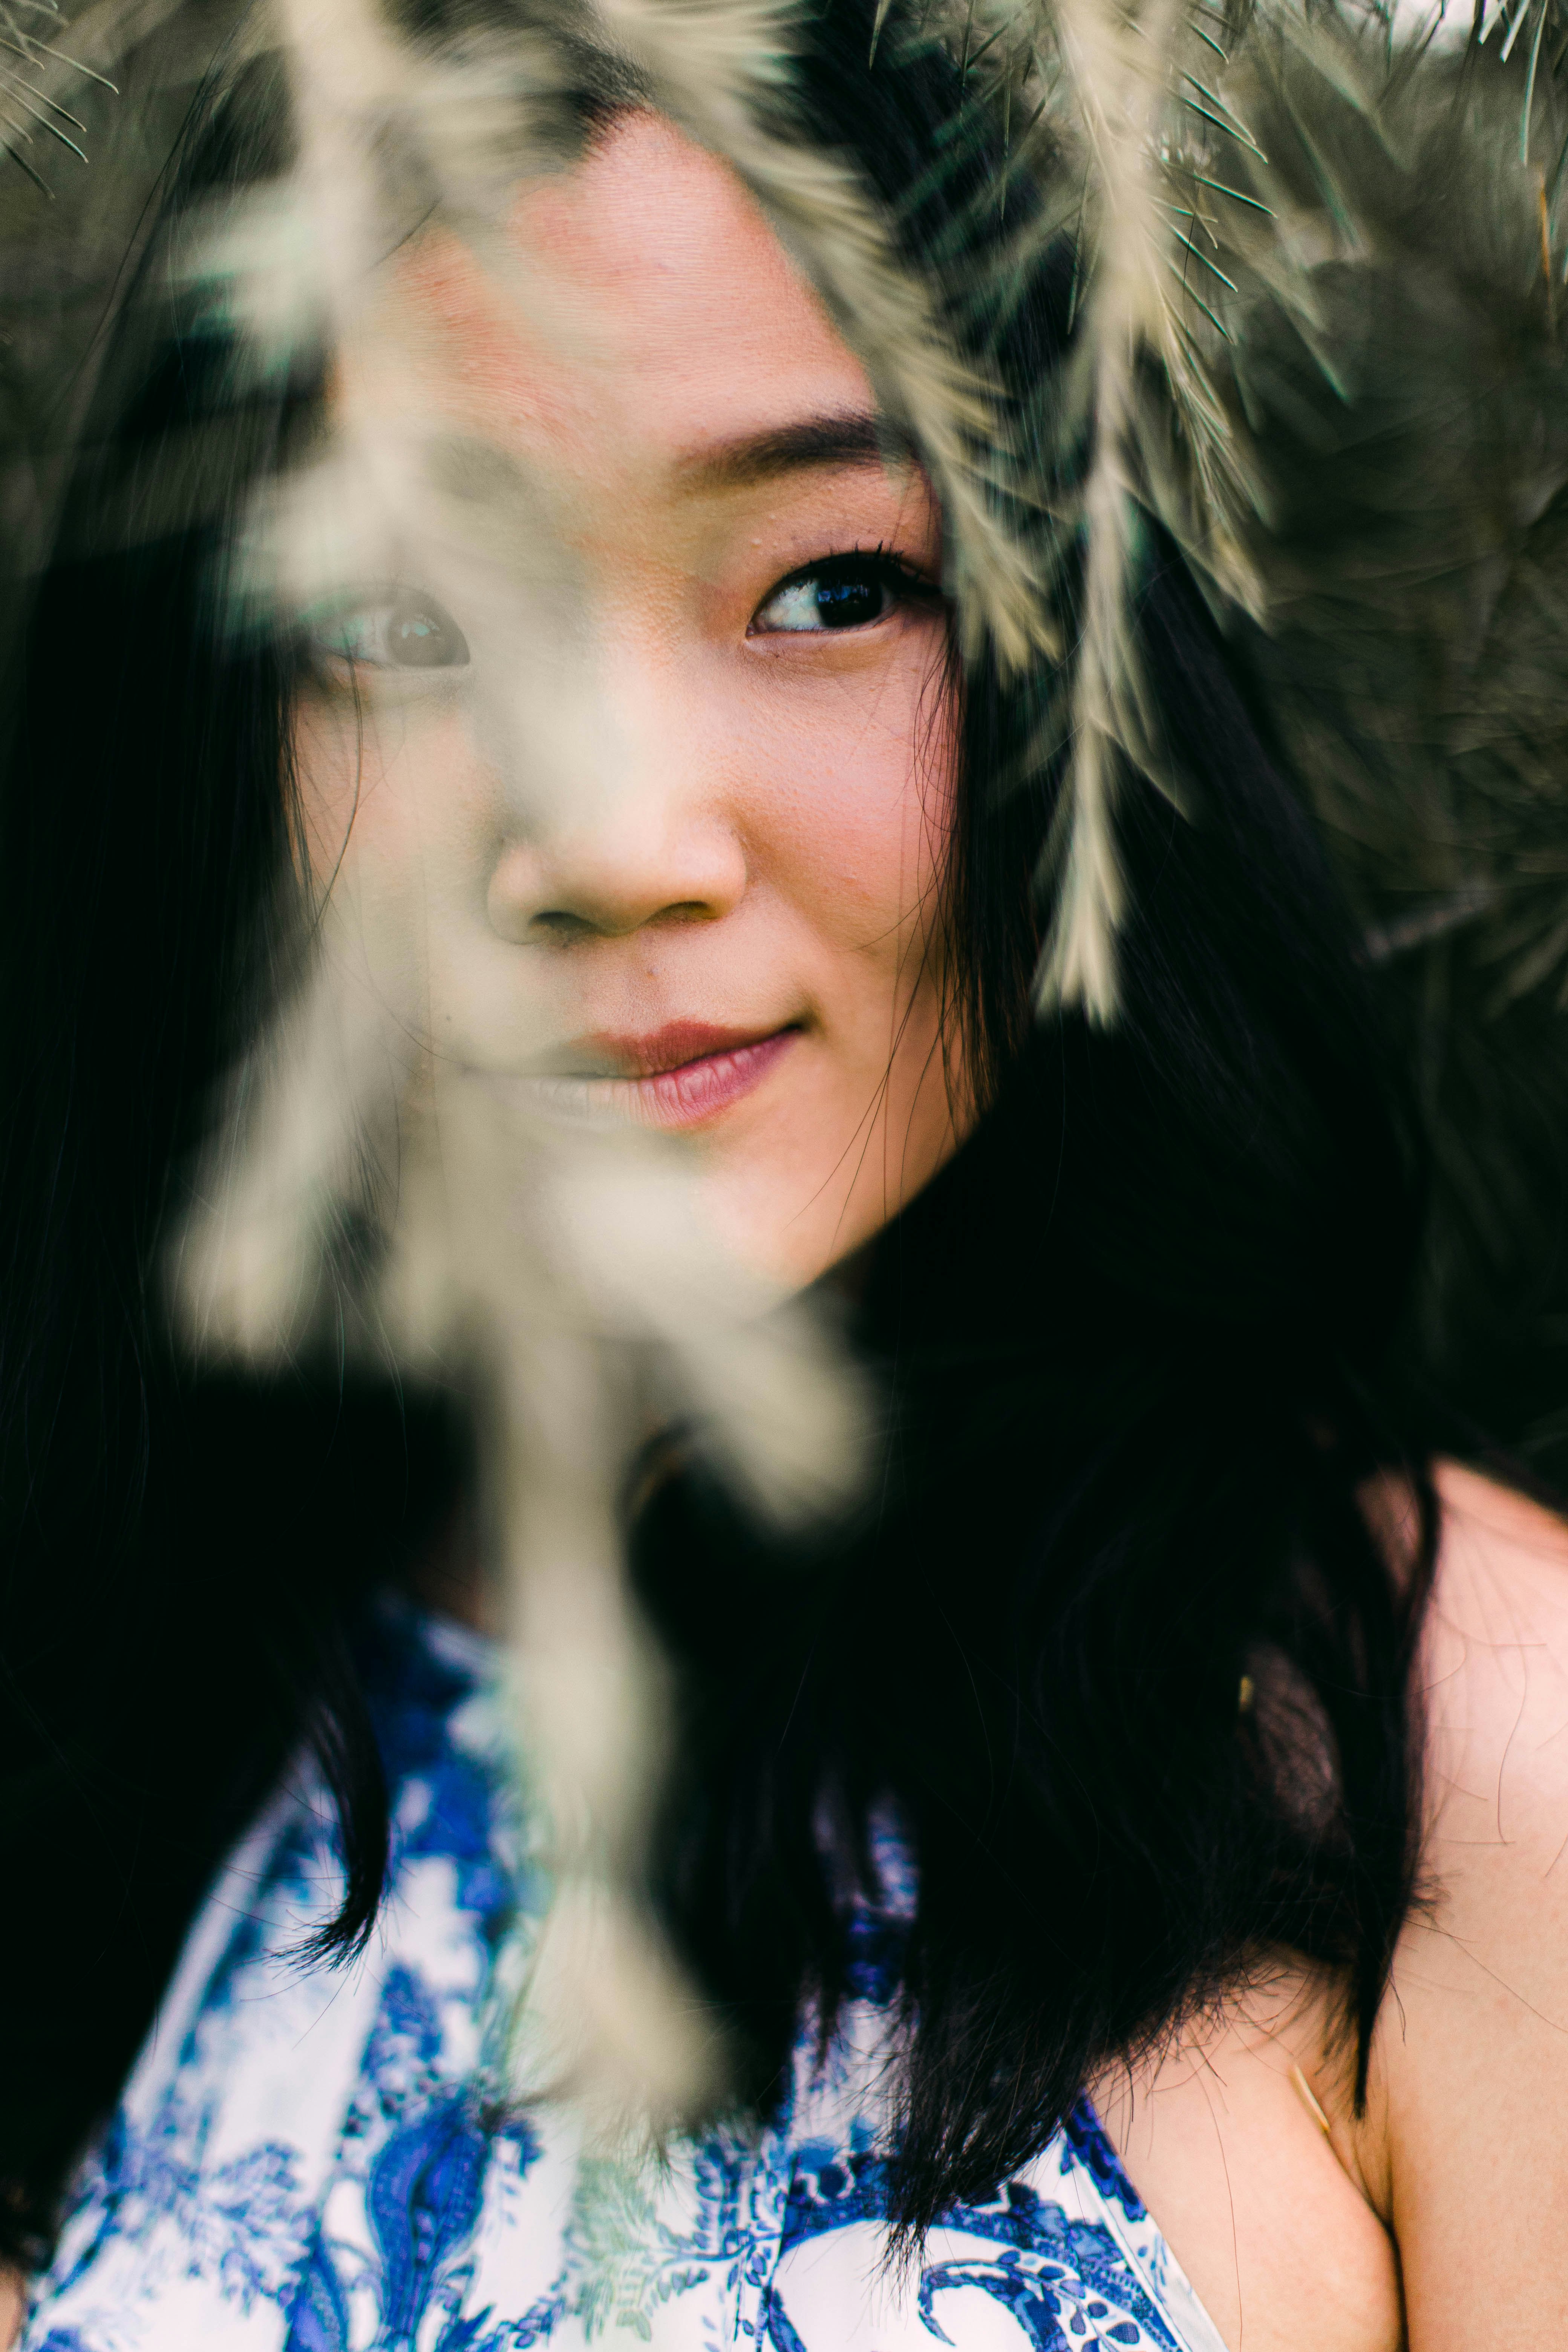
722,912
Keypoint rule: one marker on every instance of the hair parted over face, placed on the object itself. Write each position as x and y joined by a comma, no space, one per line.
727,918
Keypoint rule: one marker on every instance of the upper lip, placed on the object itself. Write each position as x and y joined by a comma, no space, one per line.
609,1053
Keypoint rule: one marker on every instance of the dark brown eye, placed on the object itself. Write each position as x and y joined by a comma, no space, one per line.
843,592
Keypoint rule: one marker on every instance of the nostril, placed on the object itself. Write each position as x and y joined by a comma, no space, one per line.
686,910
565,928
560,925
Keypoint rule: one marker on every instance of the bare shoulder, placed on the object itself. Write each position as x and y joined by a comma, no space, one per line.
1437,2218
1502,1566
11,2308
1494,1684
1471,2072
1255,2188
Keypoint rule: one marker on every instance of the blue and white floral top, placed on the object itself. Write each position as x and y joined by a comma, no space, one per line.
312,2160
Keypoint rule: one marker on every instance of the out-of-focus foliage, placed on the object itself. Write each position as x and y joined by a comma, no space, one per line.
1394,376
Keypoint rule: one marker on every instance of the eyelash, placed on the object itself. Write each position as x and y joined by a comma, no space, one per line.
895,574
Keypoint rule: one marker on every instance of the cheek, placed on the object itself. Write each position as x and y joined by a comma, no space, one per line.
852,799
397,823
388,799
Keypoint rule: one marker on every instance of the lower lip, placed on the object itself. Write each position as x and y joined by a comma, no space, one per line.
689,1096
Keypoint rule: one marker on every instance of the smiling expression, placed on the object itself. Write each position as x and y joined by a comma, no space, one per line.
728,922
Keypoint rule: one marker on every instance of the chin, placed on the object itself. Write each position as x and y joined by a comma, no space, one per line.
792,1213
788,1239
794,1237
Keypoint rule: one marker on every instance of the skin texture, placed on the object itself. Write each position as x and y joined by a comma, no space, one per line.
746,825
1453,2180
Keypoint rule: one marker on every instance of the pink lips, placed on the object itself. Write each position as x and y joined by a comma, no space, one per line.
679,1076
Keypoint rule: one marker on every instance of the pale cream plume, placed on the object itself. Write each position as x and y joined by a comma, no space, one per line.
1140,119
1118,64
365,1194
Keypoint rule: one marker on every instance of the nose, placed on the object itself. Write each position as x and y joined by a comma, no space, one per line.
634,870
657,845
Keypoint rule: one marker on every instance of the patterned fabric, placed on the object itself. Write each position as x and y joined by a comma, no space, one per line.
313,2160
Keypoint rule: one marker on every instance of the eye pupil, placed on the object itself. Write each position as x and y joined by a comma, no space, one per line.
849,603
404,631
839,594
418,639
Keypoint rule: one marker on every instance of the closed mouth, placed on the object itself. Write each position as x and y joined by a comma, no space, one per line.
680,1077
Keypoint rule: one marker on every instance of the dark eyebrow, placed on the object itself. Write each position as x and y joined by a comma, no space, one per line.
848,440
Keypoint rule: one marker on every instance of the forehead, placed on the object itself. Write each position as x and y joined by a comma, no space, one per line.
644,306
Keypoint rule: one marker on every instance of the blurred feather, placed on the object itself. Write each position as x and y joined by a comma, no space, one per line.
363,1195
31,66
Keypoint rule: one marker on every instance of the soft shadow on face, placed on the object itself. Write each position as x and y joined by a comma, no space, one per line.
732,918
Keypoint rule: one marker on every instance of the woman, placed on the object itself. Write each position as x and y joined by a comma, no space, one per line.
1049,1838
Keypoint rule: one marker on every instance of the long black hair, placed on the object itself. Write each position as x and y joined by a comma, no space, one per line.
1115,1645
